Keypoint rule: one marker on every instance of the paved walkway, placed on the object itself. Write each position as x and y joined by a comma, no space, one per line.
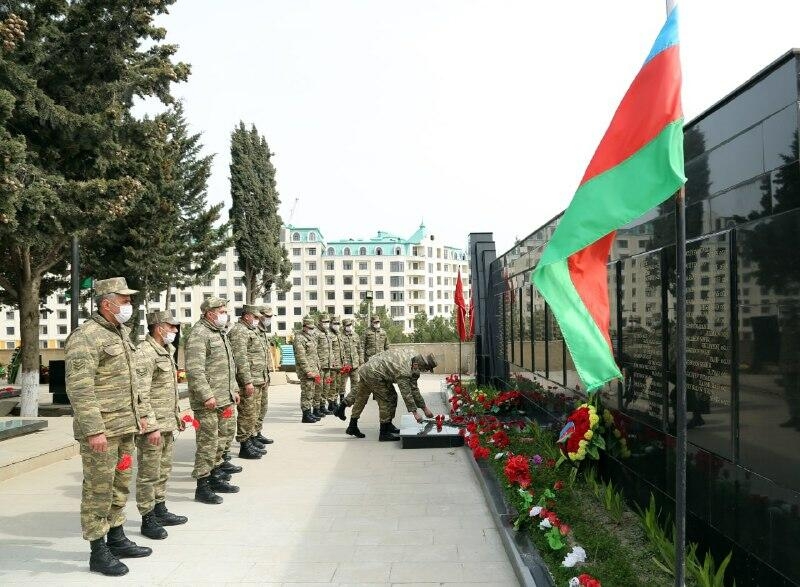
320,508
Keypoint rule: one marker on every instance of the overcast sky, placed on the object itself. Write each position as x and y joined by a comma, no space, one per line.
472,115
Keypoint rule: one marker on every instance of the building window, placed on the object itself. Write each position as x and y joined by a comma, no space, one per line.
311,265
172,298
296,281
62,314
346,251
396,266
347,265
281,325
397,311
312,251
362,251
10,344
396,281
330,279
10,330
348,295
187,312
281,296
363,265
397,296
10,314
378,251
329,265
43,329
296,236
208,283
312,295
297,251
237,282
347,280
348,309
330,295
187,297
378,265
312,236
363,281
267,297
398,251
62,299
296,296
298,311
296,267
379,280
223,282
331,310
62,329
281,310
238,296
331,252
312,280
362,295
379,294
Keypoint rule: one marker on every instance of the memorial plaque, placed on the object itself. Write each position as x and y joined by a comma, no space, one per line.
642,354
11,427
425,434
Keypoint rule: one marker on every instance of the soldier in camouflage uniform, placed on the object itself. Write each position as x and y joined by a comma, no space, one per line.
263,401
335,335
158,391
378,375
325,353
103,389
351,359
374,341
211,374
306,364
250,355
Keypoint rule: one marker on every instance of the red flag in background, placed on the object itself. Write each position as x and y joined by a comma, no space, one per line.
471,332
461,310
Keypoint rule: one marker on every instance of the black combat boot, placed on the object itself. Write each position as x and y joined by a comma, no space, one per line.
318,413
230,468
103,561
341,397
151,526
263,439
220,486
122,547
308,418
339,412
392,428
226,456
323,410
166,517
218,473
262,448
332,405
386,433
353,430
248,451
204,493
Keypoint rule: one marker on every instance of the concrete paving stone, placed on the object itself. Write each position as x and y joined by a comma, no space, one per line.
434,553
442,572
362,572
483,553
383,553
291,572
400,537
488,571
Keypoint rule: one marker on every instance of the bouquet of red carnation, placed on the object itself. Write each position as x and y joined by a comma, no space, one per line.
124,462
227,412
518,470
346,369
500,439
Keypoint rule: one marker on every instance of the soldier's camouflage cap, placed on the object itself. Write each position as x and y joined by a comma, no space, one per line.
116,285
213,302
251,309
336,320
161,317
431,360
266,311
347,321
323,317
308,321
375,319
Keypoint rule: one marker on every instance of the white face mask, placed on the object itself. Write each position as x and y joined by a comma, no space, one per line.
254,322
221,320
168,337
124,314
335,327
325,325
265,322
348,329
376,326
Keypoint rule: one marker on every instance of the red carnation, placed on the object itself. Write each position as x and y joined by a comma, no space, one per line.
564,529
124,462
187,418
462,432
317,379
473,441
500,439
328,380
558,485
480,452
196,424
227,412
518,471
550,463
472,427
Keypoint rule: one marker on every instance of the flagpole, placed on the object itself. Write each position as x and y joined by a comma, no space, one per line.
680,378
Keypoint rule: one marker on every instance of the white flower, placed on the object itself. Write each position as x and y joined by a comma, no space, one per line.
499,456
536,510
574,582
545,524
575,556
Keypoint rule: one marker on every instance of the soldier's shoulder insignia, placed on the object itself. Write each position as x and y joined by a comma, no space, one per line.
141,371
77,365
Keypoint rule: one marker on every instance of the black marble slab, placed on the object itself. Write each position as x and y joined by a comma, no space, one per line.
16,427
425,434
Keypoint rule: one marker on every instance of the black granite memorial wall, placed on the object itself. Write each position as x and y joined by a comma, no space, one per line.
743,332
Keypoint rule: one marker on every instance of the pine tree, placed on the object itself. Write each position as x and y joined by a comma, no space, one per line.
254,214
72,70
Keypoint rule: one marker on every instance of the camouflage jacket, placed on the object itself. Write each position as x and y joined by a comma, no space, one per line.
101,379
393,366
351,349
375,341
325,349
336,350
265,336
210,370
306,360
158,384
251,355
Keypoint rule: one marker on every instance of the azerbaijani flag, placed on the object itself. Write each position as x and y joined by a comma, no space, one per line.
638,165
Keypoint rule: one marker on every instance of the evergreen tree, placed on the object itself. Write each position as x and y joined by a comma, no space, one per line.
254,214
69,72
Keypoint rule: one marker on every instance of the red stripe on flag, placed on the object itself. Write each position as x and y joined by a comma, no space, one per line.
650,104
589,274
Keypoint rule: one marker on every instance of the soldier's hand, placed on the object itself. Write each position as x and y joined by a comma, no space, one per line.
210,403
143,423
428,413
236,398
98,442
249,390
417,416
154,438
181,425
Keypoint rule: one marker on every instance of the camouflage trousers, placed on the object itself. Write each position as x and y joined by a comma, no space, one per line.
354,377
105,489
214,437
155,465
322,389
263,404
307,390
249,407
333,388
385,394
